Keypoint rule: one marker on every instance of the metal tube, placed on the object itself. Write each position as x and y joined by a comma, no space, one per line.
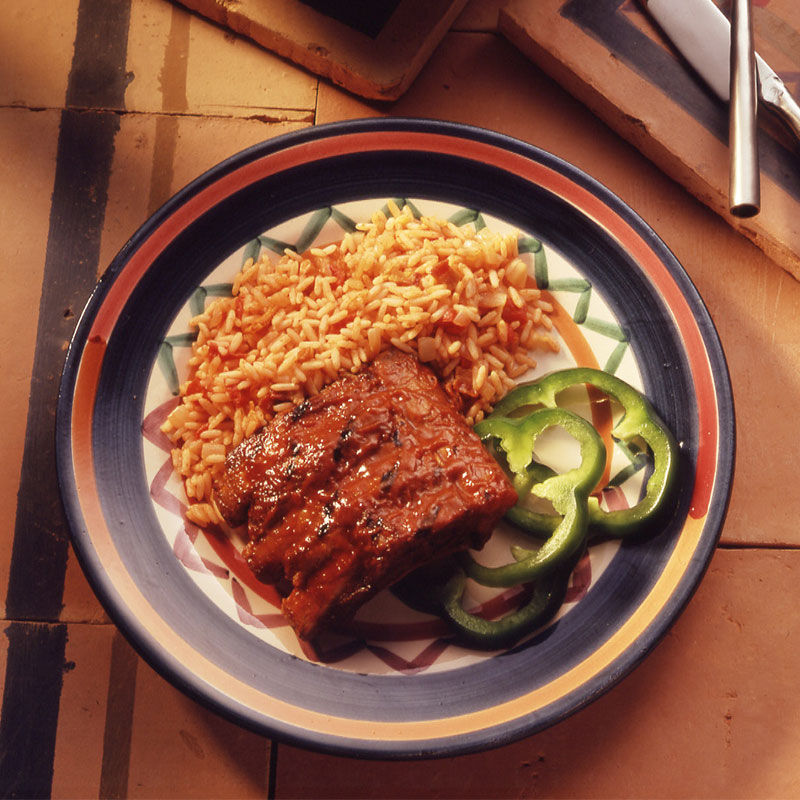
745,186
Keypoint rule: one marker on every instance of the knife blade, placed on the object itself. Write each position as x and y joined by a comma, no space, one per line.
702,33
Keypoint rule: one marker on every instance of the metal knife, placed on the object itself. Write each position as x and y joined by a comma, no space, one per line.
702,33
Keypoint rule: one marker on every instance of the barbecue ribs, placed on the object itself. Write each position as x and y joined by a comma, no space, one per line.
356,487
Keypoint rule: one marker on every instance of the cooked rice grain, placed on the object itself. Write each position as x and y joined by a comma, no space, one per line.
459,298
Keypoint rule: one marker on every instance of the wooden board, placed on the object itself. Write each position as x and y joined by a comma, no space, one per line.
613,57
376,54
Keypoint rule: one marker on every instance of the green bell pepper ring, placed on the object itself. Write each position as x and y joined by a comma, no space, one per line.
546,598
568,492
639,419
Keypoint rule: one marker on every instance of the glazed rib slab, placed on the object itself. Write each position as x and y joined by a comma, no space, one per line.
358,486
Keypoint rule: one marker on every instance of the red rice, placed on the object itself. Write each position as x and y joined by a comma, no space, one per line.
460,299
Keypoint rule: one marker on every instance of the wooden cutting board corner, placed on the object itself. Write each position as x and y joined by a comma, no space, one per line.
378,63
611,56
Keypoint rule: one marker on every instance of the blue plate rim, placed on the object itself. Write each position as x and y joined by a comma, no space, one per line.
182,675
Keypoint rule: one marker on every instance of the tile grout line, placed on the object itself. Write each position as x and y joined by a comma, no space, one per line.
118,731
278,115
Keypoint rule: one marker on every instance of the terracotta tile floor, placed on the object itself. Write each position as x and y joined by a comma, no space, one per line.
712,712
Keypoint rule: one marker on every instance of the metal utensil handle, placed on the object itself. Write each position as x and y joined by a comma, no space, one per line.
745,187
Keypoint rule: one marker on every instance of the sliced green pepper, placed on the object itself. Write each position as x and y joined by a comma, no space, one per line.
546,598
547,570
568,492
638,420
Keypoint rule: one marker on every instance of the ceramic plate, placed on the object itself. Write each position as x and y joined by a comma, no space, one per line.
401,687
